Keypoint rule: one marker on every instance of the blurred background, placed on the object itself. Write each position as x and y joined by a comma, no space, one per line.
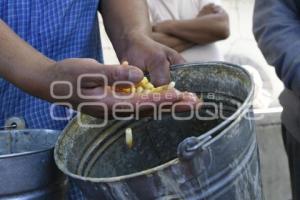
241,48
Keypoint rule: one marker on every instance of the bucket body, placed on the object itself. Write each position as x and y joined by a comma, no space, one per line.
212,155
27,167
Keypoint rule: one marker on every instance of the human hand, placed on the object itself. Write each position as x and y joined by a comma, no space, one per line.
97,91
210,9
152,57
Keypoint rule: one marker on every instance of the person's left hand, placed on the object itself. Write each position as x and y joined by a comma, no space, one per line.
210,9
150,56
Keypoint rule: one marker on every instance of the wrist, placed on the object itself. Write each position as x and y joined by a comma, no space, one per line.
125,43
132,35
168,29
36,80
165,27
44,76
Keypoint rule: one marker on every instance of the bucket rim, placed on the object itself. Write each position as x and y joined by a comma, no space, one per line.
27,153
240,109
223,126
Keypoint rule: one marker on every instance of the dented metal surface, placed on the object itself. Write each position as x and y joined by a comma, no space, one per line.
225,166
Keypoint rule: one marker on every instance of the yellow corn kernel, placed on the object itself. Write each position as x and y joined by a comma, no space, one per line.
139,89
160,89
146,91
171,85
133,90
126,90
143,82
149,86
128,137
125,63
146,87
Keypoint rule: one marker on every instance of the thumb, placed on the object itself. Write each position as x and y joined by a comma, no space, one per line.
174,57
113,73
123,73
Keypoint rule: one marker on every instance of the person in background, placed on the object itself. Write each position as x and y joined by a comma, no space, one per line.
54,40
277,31
191,27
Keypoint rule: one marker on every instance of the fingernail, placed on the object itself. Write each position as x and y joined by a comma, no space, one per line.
135,75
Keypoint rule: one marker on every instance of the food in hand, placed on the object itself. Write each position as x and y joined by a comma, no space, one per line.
145,86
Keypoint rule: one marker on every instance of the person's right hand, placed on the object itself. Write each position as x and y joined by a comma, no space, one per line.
34,73
70,70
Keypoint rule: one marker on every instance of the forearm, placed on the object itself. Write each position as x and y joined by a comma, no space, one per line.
202,30
125,20
175,43
19,62
277,31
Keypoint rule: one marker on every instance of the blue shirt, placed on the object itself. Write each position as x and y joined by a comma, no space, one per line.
59,29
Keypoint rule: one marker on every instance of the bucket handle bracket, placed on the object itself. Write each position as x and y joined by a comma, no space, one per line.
190,146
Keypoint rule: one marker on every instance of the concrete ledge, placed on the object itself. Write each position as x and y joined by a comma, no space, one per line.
274,164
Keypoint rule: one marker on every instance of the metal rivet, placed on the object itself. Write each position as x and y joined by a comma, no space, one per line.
14,123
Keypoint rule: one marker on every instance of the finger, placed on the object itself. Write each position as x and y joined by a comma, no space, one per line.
123,73
208,6
171,95
93,74
167,97
114,73
142,104
189,101
95,111
156,102
88,60
92,94
160,73
174,57
217,9
136,99
168,101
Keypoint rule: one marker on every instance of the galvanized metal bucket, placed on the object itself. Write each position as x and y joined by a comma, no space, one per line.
211,157
27,167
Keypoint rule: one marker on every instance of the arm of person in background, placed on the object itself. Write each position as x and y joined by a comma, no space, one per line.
33,72
128,27
277,31
211,24
175,43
